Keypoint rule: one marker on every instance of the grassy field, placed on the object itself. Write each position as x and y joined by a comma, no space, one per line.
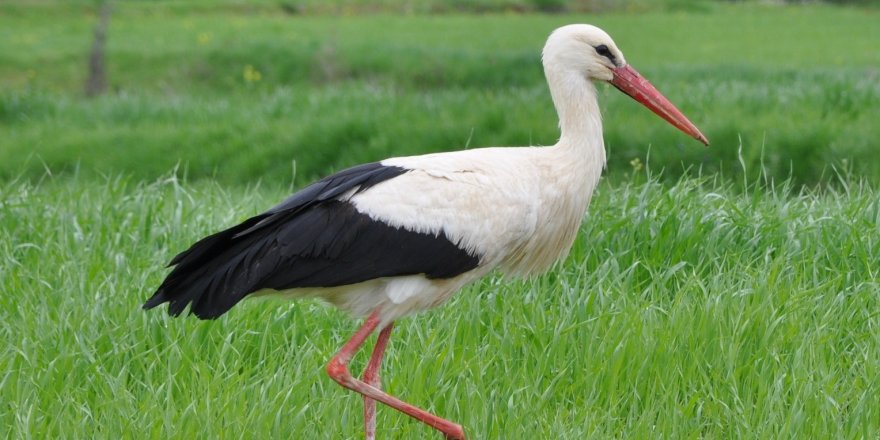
683,312
330,91
700,300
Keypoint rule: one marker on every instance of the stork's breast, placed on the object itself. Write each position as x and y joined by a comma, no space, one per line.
556,224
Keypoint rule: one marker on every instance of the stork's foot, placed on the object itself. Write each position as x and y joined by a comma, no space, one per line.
337,369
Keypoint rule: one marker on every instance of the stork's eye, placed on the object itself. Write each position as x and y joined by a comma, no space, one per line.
605,52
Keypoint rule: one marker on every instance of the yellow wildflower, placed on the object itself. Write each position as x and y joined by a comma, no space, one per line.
204,38
636,164
251,75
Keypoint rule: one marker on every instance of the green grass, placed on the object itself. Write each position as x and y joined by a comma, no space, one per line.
684,311
335,91
695,303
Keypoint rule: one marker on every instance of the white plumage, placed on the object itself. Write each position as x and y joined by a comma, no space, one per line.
518,208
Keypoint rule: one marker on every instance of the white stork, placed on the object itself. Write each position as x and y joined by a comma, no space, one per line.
387,239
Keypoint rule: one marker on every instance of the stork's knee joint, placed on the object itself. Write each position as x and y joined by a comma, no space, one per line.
338,371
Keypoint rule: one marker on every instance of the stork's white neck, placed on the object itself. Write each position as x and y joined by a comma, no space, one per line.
580,120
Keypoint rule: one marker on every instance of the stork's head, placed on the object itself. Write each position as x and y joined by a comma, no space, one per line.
589,51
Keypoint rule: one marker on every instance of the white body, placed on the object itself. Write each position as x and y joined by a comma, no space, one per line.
518,208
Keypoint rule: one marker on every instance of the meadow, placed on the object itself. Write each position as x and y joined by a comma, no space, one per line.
722,292
240,97
684,311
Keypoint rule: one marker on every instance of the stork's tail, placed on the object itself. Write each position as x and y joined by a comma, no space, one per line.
204,276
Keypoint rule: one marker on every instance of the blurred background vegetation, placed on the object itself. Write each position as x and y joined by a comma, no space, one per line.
279,90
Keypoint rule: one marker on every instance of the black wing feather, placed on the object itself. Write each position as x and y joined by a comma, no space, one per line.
311,239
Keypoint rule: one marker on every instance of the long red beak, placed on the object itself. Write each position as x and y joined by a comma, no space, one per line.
636,86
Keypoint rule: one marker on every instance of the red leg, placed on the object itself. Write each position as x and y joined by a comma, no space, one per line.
337,369
371,377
